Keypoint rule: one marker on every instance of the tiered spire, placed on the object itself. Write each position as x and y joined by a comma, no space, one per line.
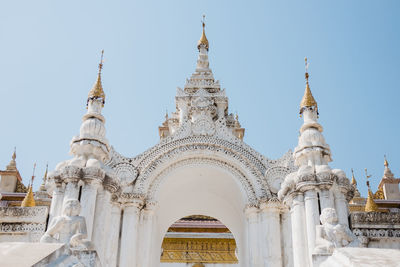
203,76
29,200
92,131
308,100
312,149
97,90
370,205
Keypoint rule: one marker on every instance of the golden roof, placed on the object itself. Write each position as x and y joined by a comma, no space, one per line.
97,89
28,201
370,206
203,40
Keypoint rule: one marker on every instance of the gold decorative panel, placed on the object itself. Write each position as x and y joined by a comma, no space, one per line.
199,250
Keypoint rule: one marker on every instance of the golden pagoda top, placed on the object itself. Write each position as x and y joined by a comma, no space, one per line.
203,40
97,90
308,99
370,205
29,200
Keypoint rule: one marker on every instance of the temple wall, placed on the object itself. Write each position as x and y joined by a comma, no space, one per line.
19,224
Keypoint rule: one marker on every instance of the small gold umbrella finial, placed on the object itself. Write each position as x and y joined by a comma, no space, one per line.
308,99
370,205
203,40
29,200
97,90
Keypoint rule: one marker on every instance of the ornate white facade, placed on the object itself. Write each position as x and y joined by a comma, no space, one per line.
202,166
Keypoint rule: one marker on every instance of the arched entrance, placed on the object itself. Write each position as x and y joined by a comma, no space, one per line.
200,188
198,240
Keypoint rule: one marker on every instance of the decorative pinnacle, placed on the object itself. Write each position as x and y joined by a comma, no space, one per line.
33,173
13,164
97,90
308,99
203,40
353,179
14,155
386,163
367,177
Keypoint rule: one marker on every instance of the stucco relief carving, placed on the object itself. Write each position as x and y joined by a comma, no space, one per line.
169,148
247,186
275,176
127,173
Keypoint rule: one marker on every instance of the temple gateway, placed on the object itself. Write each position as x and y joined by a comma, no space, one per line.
200,197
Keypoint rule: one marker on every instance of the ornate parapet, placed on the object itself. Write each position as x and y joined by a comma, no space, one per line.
376,226
22,224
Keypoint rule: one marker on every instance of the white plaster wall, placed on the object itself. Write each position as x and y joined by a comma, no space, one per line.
385,243
204,190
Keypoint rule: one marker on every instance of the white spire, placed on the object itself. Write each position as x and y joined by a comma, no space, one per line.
91,142
203,76
312,150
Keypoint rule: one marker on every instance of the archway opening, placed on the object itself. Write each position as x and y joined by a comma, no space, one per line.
198,240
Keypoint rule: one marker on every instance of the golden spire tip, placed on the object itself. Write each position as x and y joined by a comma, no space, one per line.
386,163
203,40
308,99
97,91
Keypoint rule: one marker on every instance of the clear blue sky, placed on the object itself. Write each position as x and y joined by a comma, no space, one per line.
50,51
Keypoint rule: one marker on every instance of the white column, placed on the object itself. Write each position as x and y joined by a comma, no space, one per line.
312,218
112,237
129,236
253,244
299,237
342,209
286,230
71,189
56,201
88,203
271,235
146,237
326,199
101,225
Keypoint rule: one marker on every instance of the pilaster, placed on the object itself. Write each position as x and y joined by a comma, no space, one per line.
129,236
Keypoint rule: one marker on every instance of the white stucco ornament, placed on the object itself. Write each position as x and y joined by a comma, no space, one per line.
331,234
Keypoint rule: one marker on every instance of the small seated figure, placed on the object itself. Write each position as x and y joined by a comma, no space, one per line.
69,228
331,234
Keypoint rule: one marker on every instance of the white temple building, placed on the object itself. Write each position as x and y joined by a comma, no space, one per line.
200,197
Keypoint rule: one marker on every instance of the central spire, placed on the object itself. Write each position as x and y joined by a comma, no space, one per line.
203,40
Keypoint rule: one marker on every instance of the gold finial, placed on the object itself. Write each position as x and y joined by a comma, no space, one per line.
97,90
203,40
353,179
370,205
308,99
29,200
386,163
